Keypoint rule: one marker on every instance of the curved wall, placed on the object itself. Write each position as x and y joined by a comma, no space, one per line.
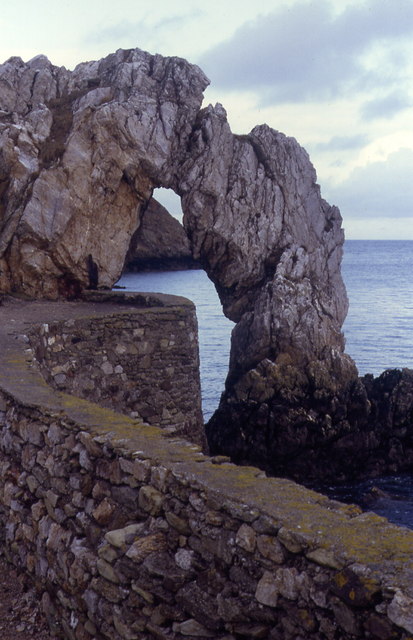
142,362
131,533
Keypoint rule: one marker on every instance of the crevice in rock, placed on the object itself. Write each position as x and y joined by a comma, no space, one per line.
62,110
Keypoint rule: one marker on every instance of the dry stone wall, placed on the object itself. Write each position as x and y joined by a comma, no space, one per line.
130,533
143,362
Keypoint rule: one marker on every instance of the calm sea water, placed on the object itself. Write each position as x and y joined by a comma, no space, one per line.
379,324
378,330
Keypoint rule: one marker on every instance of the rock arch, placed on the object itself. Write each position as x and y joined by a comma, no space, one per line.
81,153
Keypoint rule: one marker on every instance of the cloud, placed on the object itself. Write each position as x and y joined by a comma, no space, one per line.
386,107
305,51
390,228
342,143
114,33
170,200
378,190
139,31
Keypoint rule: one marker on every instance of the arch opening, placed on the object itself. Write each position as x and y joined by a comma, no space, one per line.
185,277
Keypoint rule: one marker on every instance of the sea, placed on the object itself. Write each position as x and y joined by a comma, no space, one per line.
378,330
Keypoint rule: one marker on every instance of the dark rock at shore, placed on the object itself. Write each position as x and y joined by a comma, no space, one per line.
159,243
369,435
380,436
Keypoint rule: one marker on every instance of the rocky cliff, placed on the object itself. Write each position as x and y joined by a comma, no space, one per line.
81,153
160,242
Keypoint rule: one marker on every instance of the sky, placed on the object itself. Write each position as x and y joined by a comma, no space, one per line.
337,75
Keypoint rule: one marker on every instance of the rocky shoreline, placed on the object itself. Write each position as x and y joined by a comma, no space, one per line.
371,438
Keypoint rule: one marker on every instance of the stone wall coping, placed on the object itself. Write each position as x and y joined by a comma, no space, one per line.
329,533
18,375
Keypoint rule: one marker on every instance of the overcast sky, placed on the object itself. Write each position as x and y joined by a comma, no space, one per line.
335,74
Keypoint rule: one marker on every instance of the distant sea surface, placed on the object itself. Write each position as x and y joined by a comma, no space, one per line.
379,325
378,331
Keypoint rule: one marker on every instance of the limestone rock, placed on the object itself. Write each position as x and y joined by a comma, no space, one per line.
193,628
273,247
267,590
80,155
160,242
400,611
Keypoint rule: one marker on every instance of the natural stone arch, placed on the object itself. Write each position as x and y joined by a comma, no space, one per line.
273,247
81,153
102,137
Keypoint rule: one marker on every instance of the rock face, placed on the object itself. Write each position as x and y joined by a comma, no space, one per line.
81,153
160,242
273,247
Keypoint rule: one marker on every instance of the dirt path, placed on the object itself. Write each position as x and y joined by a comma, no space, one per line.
20,614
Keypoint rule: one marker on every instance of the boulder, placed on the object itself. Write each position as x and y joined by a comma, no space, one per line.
159,243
